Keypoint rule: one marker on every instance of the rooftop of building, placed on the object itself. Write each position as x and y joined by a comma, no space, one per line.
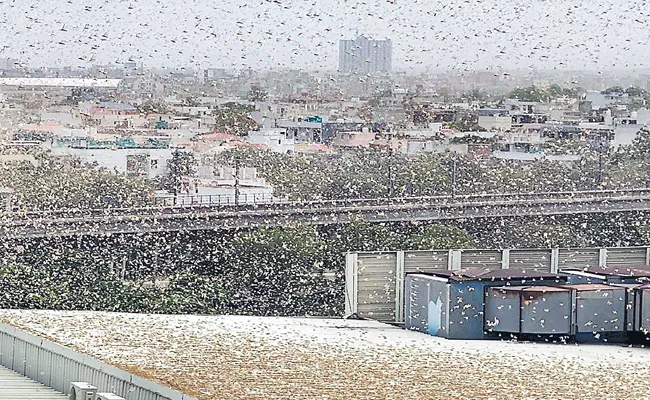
17,387
61,82
486,274
641,271
112,105
214,357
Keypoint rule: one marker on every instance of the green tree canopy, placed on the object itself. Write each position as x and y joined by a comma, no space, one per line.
56,185
257,93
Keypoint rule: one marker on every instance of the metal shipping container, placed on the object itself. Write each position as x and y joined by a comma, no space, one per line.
451,304
427,304
598,308
642,309
630,304
528,310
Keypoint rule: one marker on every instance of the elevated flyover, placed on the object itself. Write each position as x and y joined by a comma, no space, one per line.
227,217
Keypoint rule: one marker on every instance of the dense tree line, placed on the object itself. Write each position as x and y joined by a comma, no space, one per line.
297,270
58,184
372,174
279,271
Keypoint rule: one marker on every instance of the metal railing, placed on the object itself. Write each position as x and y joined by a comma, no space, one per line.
216,200
56,366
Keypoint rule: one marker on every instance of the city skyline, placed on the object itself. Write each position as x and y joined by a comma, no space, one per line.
452,35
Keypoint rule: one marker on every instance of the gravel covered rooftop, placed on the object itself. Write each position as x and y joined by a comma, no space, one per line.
229,357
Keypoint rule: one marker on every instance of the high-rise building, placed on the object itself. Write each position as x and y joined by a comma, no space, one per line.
363,55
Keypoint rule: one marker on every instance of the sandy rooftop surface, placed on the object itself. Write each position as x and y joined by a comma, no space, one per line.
229,357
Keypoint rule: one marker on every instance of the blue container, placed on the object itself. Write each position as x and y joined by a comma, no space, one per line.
451,304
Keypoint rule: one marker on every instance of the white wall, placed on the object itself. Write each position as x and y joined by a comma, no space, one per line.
625,134
222,195
115,160
275,139
415,147
495,123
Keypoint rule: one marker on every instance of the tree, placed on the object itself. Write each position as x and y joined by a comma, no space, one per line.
181,164
54,184
151,107
476,95
614,89
541,94
233,118
275,271
466,122
525,234
554,90
257,93
530,93
440,237
195,294
190,102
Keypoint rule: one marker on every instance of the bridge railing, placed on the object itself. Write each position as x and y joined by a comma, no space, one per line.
216,200
211,204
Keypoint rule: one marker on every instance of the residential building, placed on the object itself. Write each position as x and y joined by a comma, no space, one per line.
220,185
146,158
495,123
276,139
302,131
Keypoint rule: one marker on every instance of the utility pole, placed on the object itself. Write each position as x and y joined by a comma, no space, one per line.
390,173
236,181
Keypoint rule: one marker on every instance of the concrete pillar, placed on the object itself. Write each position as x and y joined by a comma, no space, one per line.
450,260
505,259
351,267
399,287
455,260
602,258
555,261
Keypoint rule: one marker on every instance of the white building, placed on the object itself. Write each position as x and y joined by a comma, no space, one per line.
275,139
142,162
495,123
432,130
599,99
220,185
302,131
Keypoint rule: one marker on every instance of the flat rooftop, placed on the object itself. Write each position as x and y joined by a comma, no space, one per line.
231,357
17,387
61,82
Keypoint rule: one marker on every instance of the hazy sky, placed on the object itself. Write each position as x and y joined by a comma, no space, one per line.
447,34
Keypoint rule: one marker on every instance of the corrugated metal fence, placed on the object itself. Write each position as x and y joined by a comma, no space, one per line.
56,366
375,280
